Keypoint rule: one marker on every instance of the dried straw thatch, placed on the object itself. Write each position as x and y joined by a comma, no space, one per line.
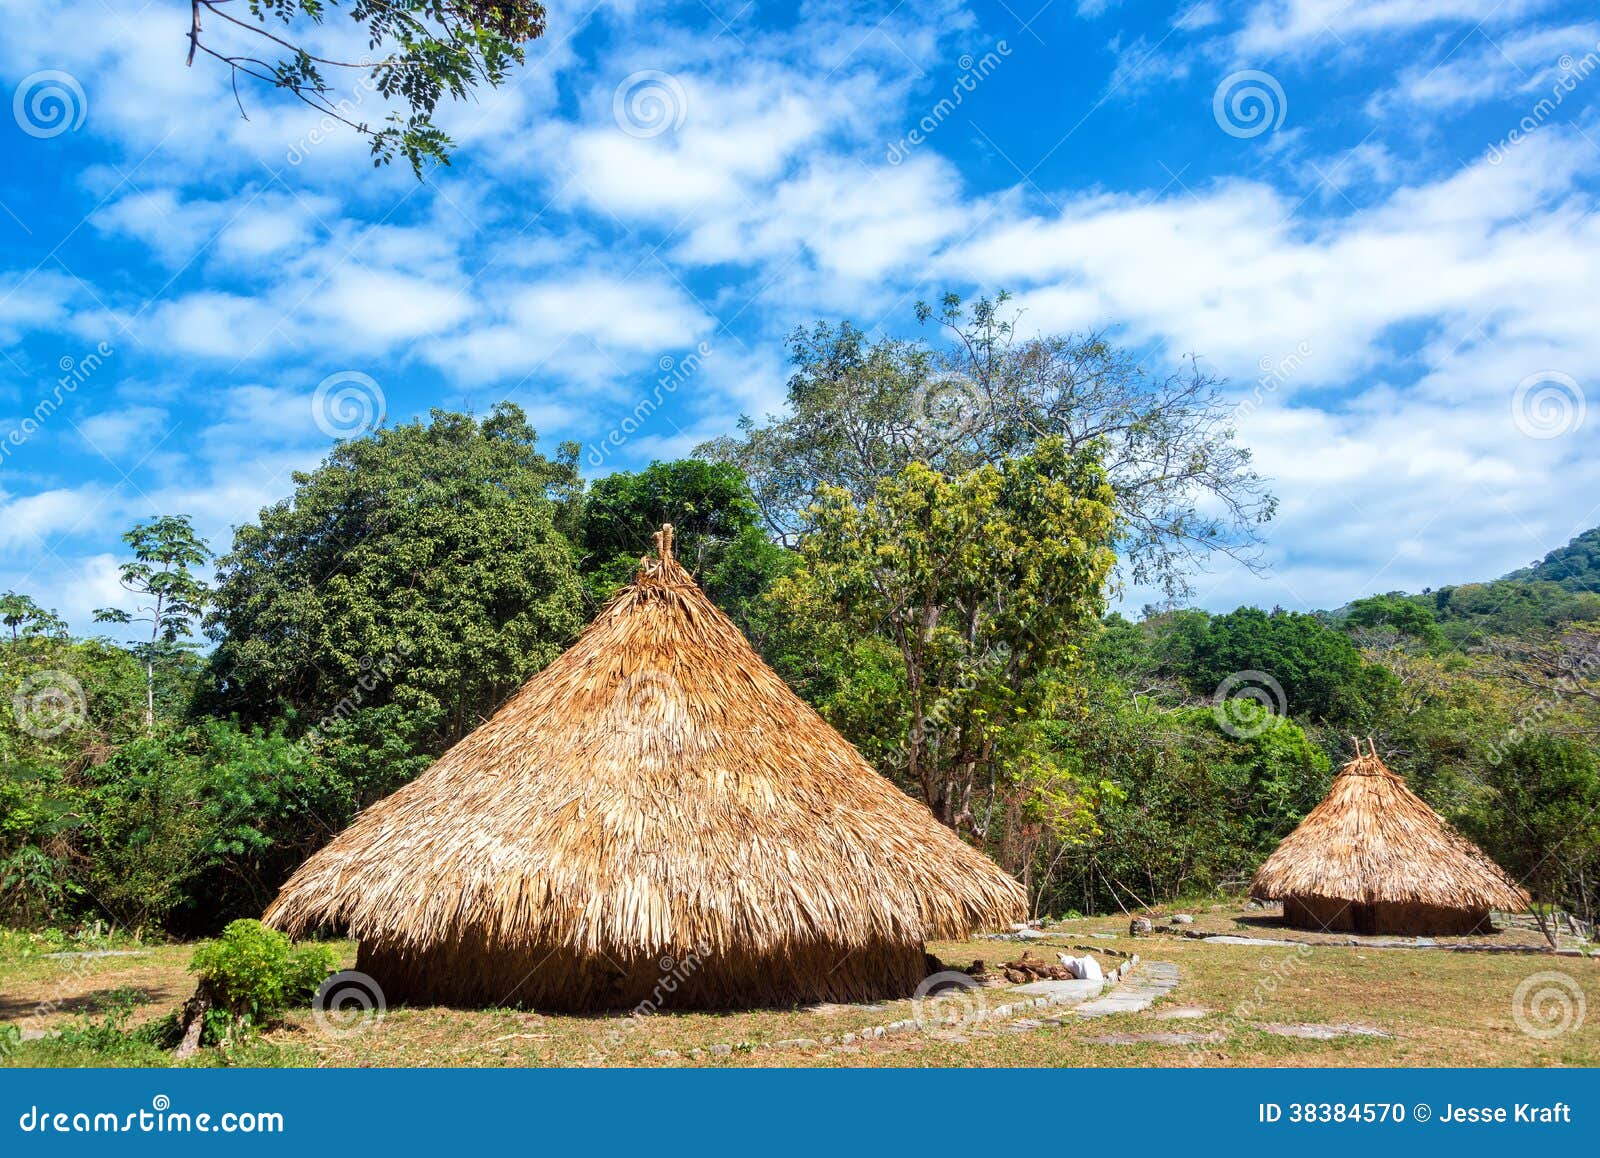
655,817
1374,858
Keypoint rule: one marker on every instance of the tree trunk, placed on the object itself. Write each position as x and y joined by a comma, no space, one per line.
193,1021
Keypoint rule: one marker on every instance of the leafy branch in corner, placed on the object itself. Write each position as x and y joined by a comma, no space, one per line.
422,50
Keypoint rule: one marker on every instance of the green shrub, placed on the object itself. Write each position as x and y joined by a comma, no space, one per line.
254,974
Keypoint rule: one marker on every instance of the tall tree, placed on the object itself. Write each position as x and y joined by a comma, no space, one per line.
422,51
25,619
423,566
717,529
985,583
859,409
168,595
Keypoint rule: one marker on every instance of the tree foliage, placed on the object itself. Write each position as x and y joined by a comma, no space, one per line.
425,567
860,410
168,595
716,528
418,53
983,583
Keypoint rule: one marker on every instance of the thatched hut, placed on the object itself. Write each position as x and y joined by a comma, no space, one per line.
1373,858
654,818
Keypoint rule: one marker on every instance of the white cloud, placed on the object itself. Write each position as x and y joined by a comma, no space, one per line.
1526,65
1298,26
112,432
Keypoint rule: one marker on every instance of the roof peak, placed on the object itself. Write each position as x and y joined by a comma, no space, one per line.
663,569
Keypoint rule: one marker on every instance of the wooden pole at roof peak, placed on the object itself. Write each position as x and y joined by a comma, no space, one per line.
663,539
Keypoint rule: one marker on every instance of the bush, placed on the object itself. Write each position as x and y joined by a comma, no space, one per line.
254,973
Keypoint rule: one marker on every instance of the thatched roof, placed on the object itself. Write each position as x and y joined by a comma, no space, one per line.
656,790
1374,841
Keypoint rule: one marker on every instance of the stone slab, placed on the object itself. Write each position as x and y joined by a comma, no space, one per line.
1319,1032
1062,990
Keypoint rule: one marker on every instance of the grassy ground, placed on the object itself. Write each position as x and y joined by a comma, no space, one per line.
1438,1008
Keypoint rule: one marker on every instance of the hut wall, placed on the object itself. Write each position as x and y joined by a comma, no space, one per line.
1323,914
562,981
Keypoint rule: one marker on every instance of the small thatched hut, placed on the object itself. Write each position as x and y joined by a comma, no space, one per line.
1373,858
654,818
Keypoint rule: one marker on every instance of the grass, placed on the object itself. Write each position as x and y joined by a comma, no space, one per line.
1439,1008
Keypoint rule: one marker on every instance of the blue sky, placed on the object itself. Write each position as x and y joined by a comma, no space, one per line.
1375,217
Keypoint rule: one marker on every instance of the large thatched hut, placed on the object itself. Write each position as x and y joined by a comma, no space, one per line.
1374,858
654,818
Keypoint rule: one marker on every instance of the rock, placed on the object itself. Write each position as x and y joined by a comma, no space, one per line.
721,1050
1159,1038
1320,1032
1254,906
1139,926
1180,1012
95,953
1182,919
1083,968
666,1053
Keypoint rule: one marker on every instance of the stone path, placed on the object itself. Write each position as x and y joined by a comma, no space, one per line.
99,953
1232,939
1167,1038
1319,1032
1136,994
1181,1012
1065,992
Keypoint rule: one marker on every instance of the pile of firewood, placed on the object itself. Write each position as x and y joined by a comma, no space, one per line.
1024,969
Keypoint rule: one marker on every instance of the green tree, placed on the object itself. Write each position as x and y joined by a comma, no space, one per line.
25,619
171,598
1541,819
1395,612
716,528
422,51
1318,668
984,584
422,566
859,410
